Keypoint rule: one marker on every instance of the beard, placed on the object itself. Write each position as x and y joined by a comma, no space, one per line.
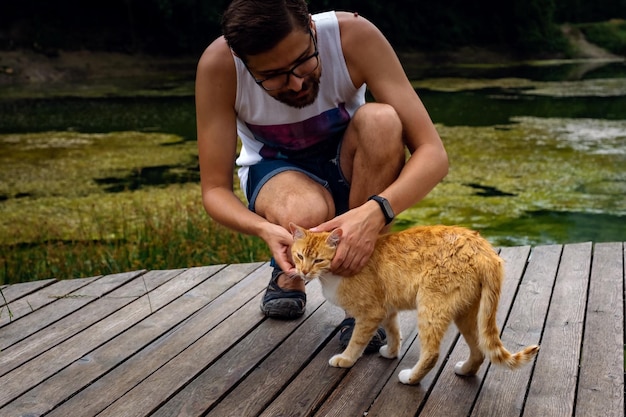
302,98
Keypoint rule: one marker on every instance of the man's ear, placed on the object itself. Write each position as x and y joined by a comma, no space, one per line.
334,238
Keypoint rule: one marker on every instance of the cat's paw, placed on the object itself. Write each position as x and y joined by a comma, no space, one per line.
385,352
464,368
340,361
405,377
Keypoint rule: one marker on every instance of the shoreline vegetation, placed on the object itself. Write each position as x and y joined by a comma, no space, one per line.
155,230
95,233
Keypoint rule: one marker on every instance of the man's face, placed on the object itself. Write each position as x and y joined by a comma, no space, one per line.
290,72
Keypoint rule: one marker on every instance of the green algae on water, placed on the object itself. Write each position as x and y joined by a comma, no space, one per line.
537,165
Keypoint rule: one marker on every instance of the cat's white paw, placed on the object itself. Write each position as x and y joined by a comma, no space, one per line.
405,376
340,361
460,369
385,352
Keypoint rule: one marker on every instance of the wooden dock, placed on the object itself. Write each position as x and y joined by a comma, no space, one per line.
192,342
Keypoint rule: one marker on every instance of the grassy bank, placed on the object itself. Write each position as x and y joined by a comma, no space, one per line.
160,229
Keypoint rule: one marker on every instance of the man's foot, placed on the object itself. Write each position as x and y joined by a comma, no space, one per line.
346,327
283,304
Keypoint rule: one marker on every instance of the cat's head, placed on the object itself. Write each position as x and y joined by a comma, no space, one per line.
312,252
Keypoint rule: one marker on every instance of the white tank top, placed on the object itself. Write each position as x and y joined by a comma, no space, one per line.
267,126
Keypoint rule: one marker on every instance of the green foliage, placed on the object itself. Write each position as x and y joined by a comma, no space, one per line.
609,35
579,11
534,28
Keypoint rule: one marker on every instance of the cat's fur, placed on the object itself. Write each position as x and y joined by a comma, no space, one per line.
446,273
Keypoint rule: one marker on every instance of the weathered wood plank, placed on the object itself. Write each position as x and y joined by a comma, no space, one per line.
309,388
81,373
402,400
16,291
454,395
248,355
360,387
562,337
504,392
11,293
317,381
155,364
270,377
405,401
175,374
50,325
601,385
102,327
48,294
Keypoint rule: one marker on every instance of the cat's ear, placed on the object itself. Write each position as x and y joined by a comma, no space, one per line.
296,231
334,237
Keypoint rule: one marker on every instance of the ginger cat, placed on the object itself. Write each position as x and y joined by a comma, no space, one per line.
446,273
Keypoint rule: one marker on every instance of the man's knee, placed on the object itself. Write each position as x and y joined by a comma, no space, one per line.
294,197
304,209
373,119
375,134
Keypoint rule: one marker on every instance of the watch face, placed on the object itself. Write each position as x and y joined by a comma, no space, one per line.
385,207
388,208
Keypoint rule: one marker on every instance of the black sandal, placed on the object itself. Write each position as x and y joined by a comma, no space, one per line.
283,304
346,327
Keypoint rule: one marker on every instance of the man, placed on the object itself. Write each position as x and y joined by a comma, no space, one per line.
292,86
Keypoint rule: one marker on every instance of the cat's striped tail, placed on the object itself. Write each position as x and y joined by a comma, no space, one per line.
489,334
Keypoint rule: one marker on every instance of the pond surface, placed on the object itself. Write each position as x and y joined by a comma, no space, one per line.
537,151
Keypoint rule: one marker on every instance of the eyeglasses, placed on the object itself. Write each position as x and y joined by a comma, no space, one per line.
303,68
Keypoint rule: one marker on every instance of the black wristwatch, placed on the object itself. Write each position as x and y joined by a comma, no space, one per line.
385,207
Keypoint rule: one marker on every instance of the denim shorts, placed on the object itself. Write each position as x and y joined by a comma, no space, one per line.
320,164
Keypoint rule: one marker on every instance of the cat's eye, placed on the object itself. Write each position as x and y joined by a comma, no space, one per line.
299,255
317,261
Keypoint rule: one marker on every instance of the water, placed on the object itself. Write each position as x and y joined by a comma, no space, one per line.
537,152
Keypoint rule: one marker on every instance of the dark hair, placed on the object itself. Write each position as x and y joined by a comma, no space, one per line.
256,26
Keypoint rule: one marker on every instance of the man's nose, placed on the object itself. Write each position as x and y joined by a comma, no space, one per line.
295,82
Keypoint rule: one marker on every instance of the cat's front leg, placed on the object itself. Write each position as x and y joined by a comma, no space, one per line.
341,361
362,334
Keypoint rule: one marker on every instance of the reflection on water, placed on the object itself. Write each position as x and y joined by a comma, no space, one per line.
537,152
491,107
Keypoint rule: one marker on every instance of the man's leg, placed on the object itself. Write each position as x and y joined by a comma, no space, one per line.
372,152
291,196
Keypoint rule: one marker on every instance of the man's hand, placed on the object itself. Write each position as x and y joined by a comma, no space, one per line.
279,241
360,231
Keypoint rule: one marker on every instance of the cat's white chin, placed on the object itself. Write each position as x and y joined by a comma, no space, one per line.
304,277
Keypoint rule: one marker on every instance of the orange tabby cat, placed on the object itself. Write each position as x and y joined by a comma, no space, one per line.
447,273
